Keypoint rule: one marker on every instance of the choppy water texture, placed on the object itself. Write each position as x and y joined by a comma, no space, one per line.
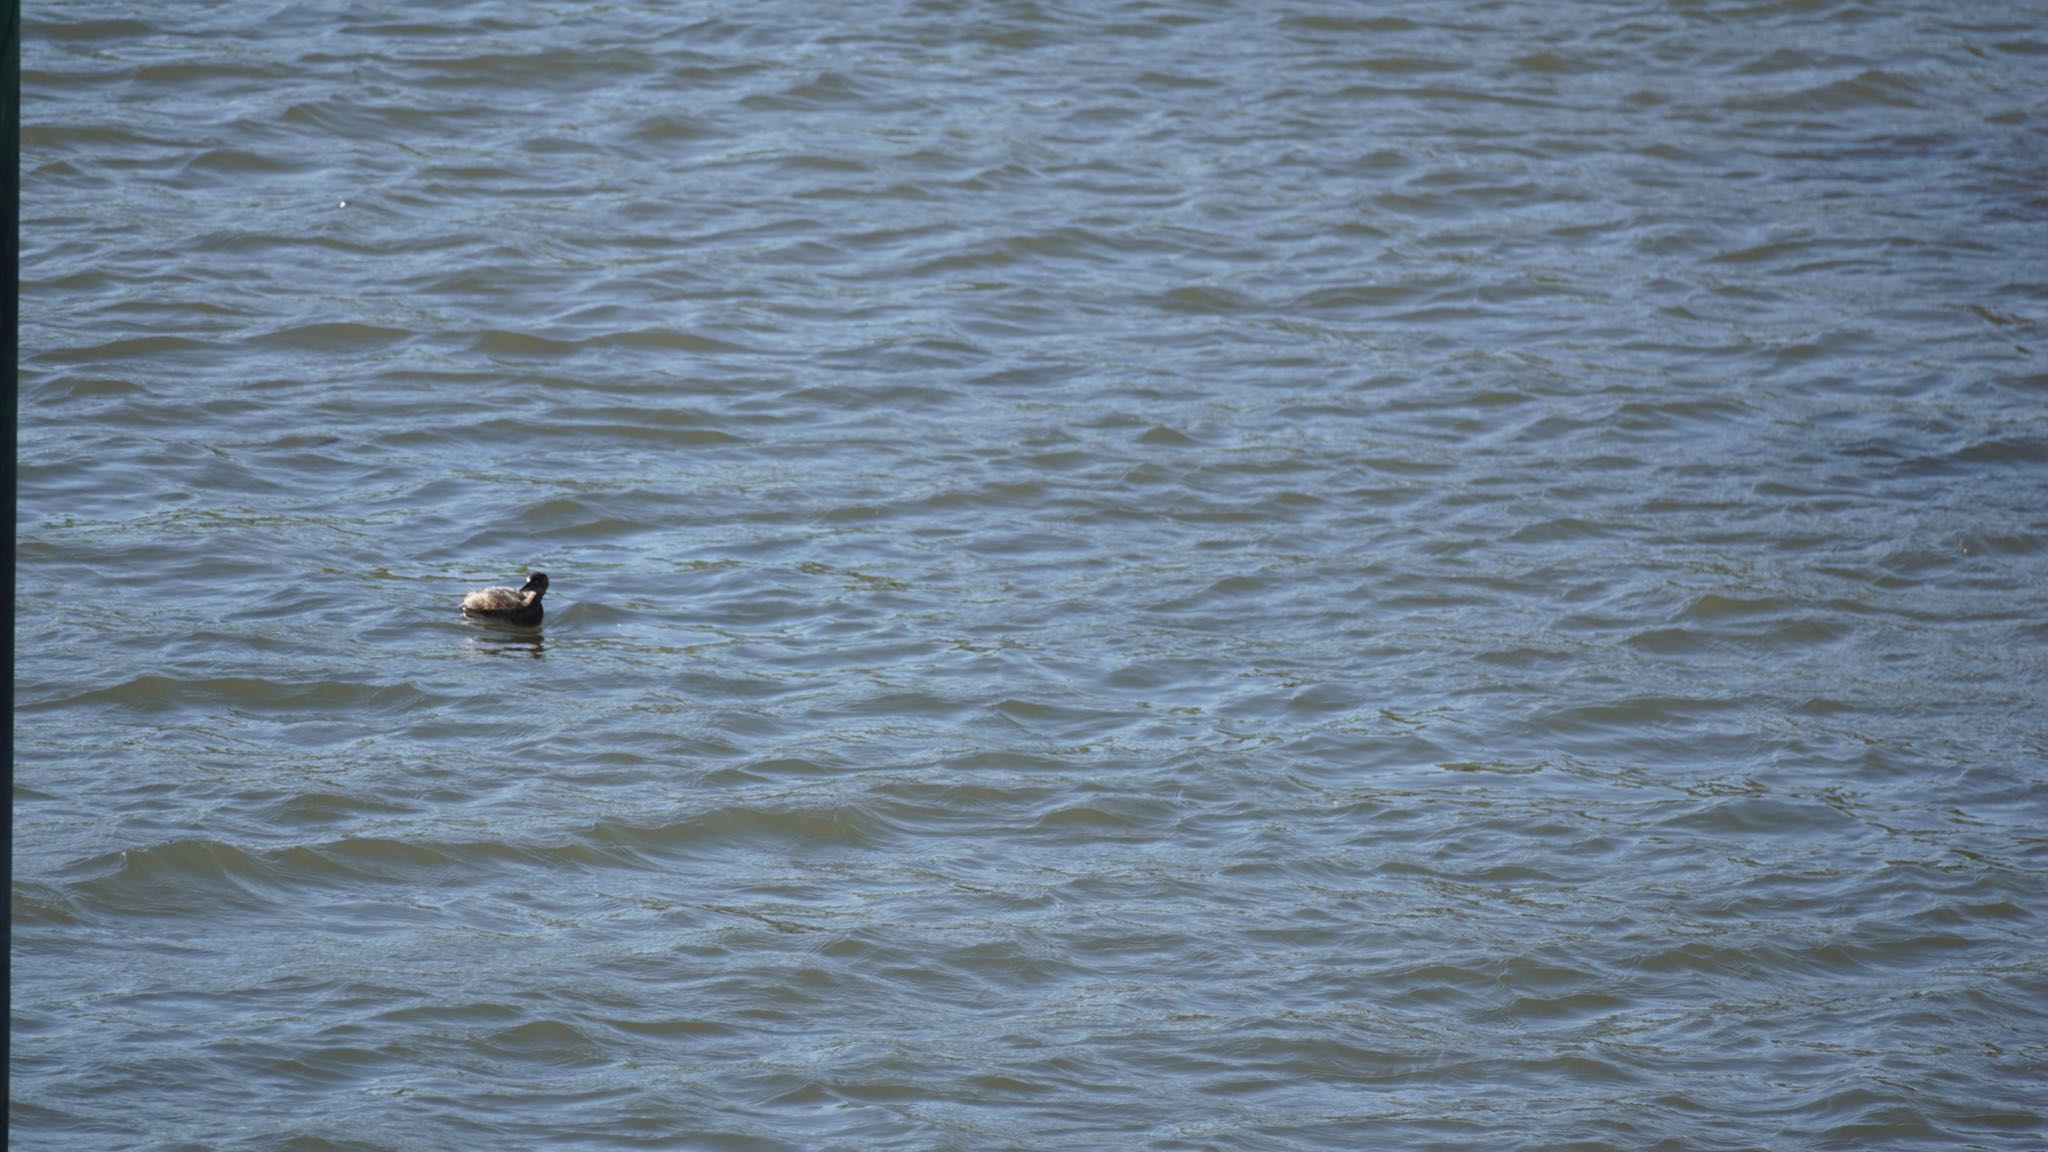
1158,574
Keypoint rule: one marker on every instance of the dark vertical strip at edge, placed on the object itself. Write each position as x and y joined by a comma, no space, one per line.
10,90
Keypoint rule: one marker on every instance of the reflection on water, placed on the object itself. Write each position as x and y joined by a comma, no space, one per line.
504,640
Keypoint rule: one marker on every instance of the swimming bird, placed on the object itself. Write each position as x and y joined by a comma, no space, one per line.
520,607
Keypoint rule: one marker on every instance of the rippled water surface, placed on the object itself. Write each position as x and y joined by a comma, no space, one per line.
1162,574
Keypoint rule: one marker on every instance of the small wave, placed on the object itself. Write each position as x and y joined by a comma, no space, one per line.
1406,65
1670,641
331,337
206,72
181,878
43,905
742,825
1870,89
826,90
1714,606
1202,300
671,128
1563,529
1349,25
551,1042
1637,714
302,809
132,348
158,693
238,163
89,30
522,345
665,340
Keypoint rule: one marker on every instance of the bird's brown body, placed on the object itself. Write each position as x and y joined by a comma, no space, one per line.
513,606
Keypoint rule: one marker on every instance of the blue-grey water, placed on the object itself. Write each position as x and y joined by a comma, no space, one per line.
1162,574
